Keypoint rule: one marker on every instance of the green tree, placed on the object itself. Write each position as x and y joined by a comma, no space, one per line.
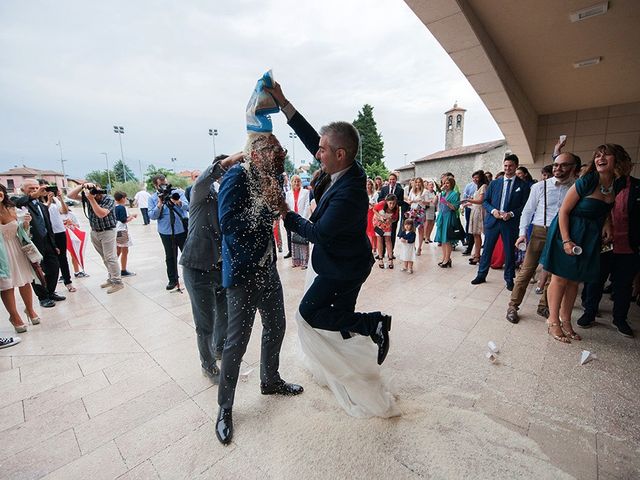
376,169
130,188
101,177
153,170
119,169
372,145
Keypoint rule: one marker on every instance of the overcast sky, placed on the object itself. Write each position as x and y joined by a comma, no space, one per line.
168,71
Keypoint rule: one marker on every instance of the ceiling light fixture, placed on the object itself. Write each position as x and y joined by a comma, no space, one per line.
593,11
587,63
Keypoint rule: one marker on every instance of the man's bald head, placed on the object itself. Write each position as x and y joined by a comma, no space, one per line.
30,187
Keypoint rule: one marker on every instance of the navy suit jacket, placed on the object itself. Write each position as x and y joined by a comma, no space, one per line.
246,228
517,199
338,225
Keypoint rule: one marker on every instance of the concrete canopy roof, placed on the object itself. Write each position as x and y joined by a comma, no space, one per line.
519,56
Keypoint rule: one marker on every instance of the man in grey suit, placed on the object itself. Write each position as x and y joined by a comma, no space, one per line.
202,266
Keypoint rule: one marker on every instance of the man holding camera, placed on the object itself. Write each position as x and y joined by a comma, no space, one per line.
169,207
103,229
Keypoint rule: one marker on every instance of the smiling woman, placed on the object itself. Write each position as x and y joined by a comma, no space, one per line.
576,235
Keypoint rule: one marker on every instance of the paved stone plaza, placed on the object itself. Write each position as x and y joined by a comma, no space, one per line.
109,386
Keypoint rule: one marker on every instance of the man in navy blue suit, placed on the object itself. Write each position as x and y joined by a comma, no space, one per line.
504,201
247,204
337,228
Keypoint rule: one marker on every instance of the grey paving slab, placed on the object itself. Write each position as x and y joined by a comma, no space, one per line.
109,386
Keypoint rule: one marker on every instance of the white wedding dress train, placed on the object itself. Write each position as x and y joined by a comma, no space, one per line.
347,367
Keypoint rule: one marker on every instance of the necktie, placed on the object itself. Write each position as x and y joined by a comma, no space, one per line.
506,194
38,220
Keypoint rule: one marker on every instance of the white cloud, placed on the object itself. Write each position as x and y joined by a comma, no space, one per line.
169,71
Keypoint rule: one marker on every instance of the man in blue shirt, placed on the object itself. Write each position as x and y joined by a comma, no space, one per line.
173,234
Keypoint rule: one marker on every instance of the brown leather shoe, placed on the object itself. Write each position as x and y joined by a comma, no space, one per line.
512,315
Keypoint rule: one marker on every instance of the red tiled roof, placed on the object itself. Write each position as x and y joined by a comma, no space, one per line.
29,171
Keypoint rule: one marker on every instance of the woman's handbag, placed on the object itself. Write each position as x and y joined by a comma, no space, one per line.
298,239
455,231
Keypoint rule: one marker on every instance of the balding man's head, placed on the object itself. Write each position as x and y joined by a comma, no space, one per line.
30,187
566,165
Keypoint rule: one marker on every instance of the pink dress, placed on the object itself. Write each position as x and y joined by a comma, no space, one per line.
20,269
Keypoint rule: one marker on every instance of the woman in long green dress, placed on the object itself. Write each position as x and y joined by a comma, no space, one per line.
574,240
448,207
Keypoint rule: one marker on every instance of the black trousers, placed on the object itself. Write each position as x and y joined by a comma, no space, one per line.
330,304
623,269
50,267
145,215
171,253
470,239
288,240
61,244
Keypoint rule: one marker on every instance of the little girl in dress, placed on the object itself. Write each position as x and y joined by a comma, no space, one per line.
405,248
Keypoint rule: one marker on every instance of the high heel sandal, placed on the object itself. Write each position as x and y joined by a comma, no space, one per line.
569,333
381,263
446,265
474,260
561,338
390,266
18,328
34,321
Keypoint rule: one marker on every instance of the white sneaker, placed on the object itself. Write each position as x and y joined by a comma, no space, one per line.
9,341
115,287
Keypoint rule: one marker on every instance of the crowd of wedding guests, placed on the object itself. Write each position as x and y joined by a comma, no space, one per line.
578,225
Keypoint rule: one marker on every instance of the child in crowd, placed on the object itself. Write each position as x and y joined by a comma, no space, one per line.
406,246
75,243
384,214
123,239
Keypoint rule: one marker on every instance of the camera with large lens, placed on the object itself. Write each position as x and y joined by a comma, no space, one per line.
167,191
97,191
52,188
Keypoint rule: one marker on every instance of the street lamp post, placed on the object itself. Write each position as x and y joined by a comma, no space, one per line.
106,157
405,158
213,132
293,137
62,160
119,129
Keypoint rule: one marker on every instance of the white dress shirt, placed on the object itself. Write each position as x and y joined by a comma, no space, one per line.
533,211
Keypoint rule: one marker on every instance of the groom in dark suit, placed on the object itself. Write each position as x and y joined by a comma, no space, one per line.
337,228
504,201
247,205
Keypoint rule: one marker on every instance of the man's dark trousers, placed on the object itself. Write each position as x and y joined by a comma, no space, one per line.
50,267
470,238
145,215
209,307
171,253
509,237
623,269
261,292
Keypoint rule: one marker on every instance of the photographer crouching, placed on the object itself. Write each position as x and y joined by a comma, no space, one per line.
169,207
99,209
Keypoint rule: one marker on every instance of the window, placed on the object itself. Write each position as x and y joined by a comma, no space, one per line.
10,185
449,122
459,121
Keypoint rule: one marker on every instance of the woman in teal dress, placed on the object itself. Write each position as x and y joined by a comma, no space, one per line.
583,222
447,208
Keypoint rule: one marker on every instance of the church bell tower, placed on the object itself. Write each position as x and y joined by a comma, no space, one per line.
454,127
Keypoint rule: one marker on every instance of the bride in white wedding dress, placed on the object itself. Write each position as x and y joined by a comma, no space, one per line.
347,367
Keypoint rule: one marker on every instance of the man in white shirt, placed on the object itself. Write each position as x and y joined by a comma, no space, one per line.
142,201
541,208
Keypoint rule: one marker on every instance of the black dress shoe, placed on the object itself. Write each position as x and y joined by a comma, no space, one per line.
586,321
171,285
381,337
47,303
510,286
288,255
281,388
224,426
478,281
57,298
